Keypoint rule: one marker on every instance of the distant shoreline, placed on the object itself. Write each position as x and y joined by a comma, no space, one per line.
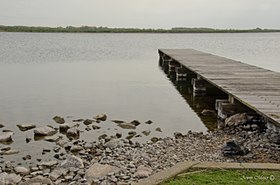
92,29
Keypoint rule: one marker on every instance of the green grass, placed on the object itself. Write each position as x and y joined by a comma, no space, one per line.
231,177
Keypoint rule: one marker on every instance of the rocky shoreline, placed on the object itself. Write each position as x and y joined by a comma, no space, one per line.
118,160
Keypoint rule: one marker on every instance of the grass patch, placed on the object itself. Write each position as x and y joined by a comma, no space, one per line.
230,177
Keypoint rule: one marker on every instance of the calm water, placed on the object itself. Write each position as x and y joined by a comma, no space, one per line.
81,75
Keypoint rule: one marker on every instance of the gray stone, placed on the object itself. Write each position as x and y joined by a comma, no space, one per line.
52,138
99,170
112,143
237,119
135,122
59,120
146,132
73,161
101,117
22,170
127,126
149,122
73,133
45,131
208,112
94,127
56,173
38,180
143,171
233,148
49,163
76,148
6,136
88,122
9,179
9,152
25,127
158,129
117,121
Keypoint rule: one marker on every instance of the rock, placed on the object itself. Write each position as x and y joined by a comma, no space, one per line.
25,127
275,138
61,142
73,133
127,126
72,161
97,170
27,157
49,163
208,112
154,139
146,132
143,172
117,121
52,138
132,133
22,170
38,180
45,131
101,117
9,152
76,148
88,122
178,135
6,137
112,143
233,148
94,127
118,135
78,120
28,139
103,136
56,173
158,129
1,125
135,122
59,120
236,120
149,122
9,179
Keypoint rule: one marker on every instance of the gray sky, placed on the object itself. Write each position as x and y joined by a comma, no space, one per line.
142,13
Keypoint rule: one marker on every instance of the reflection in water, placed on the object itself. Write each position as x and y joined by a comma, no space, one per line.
198,102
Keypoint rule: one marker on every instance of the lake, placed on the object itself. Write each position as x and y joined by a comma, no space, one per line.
81,75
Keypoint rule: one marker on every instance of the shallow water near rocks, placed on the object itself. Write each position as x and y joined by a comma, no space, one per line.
82,75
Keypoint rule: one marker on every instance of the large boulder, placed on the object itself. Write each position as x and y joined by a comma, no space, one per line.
237,119
45,131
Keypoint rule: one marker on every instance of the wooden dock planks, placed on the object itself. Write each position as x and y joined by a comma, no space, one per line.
253,86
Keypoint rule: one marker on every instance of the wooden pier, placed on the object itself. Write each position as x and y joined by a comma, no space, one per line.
254,87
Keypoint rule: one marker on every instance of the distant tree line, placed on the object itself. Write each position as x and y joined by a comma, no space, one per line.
93,29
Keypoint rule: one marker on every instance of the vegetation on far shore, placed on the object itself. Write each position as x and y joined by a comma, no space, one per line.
226,177
93,29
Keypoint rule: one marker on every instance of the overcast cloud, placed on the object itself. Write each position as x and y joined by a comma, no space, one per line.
142,13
